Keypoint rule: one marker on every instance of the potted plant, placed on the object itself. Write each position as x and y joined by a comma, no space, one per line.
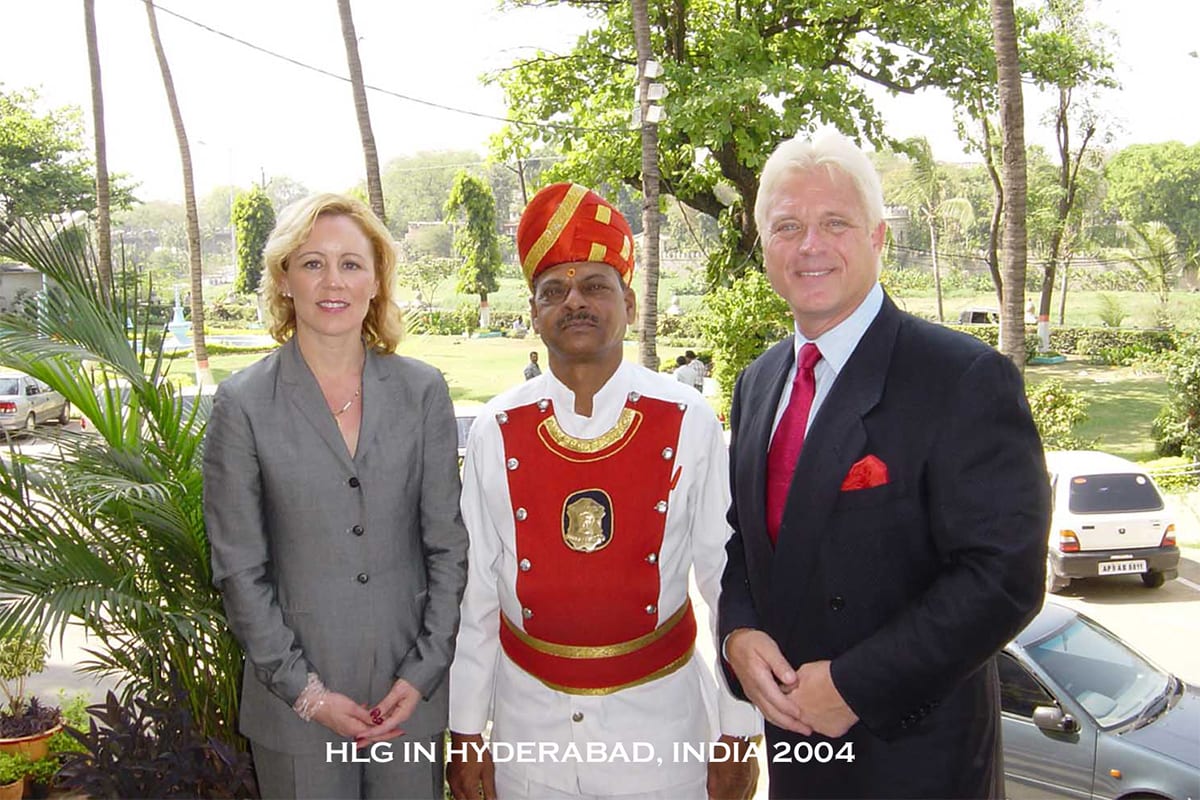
13,767
26,725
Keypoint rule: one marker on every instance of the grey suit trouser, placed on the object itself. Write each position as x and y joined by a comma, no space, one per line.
409,775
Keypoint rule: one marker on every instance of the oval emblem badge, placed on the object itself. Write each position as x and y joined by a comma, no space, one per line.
587,520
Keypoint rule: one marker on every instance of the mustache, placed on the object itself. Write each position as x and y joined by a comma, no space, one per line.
578,316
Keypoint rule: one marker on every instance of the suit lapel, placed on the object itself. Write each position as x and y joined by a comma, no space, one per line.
304,394
836,439
375,387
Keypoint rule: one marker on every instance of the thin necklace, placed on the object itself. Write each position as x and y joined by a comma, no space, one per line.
337,415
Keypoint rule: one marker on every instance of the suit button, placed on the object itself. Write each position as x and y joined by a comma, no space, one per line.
837,602
577,716
357,530
363,577
353,482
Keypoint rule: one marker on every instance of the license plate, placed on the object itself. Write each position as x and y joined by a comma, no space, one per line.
1122,567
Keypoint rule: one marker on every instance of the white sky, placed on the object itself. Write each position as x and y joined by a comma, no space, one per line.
259,115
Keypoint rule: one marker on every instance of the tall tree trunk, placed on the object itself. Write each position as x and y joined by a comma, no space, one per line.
993,245
370,154
1012,123
937,273
199,348
648,329
103,199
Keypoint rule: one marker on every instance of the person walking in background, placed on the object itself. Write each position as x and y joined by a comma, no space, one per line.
590,493
331,501
683,372
532,370
890,510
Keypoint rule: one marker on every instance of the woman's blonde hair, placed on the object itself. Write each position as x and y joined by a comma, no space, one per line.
383,326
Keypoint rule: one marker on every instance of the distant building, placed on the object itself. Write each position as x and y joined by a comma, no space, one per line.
17,281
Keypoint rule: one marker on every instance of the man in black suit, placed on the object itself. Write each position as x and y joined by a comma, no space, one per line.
890,509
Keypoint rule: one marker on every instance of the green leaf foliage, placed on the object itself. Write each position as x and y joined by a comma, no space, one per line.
475,239
741,76
1177,428
741,321
1159,183
253,218
107,528
1057,412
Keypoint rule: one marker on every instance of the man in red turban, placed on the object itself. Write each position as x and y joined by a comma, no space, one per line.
589,494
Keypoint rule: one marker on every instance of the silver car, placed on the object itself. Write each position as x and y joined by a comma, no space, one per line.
1084,716
26,402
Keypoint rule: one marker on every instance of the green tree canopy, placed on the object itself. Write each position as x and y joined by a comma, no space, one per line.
45,167
741,76
1159,183
475,240
253,217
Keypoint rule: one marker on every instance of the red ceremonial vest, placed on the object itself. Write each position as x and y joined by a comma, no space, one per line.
589,517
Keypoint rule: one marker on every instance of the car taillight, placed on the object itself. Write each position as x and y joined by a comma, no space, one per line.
1168,539
8,407
1068,542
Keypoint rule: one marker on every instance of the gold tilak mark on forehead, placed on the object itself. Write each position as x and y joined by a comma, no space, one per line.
554,228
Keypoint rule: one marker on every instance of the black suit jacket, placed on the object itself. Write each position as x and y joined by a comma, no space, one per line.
909,588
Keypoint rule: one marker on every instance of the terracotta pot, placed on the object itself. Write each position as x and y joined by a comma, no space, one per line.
32,747
12,791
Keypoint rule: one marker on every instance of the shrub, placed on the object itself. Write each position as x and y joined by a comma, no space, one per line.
1056,412
1177,427
1112,312
1174,473
741,321
141,749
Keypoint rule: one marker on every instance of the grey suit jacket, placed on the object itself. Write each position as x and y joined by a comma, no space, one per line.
352,568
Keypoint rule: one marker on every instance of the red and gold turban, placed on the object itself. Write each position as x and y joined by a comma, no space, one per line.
566,222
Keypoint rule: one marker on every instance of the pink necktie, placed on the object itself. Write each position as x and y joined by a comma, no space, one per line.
789,438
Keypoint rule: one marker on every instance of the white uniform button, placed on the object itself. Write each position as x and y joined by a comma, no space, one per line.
667,453
543,405
683,406
652,558
502,418
577,716
661,506
651,609
521,514
526,612
512,463
525,565
634,397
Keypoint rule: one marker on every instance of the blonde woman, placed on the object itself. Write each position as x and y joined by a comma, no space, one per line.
331,499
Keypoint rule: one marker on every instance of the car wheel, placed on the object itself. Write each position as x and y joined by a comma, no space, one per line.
1153,579
31,423
1054,583
64,416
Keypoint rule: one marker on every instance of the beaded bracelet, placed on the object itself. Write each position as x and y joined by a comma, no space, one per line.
311,699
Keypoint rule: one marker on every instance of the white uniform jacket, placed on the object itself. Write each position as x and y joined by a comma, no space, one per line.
664,713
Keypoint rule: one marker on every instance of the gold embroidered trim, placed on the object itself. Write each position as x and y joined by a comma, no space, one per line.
653,676
554,228
626,246
599,651
604,214
627,420
597,252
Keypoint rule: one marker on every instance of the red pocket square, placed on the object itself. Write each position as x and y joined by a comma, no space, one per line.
867,473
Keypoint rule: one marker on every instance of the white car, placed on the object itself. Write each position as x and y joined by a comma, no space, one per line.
1108,519
26,402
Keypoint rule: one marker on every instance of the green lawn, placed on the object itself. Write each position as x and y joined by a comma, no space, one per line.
476,369
1122,404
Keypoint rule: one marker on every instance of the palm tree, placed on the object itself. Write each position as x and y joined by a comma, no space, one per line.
106,530
189,201
1012,125
1156,256
103,197
925,193
374,184
648,328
